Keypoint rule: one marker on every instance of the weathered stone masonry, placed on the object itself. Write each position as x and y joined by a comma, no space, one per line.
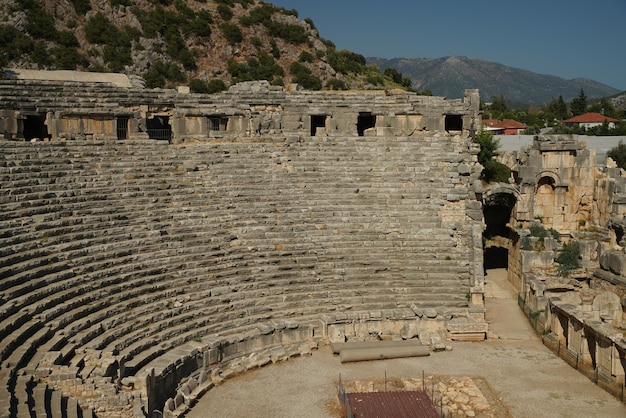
99,111
559,185
137,272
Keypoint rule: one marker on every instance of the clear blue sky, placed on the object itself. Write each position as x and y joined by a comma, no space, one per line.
565,38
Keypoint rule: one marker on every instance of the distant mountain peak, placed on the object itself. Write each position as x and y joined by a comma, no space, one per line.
449,76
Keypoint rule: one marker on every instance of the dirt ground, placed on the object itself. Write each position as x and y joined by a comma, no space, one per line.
516,373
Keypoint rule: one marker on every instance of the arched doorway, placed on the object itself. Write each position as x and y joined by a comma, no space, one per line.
544,199
497,209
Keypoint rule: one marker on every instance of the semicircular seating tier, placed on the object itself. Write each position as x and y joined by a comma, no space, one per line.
135,273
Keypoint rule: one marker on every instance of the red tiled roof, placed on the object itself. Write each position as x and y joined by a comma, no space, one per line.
504,124
512,124
590,118
490,122
392,404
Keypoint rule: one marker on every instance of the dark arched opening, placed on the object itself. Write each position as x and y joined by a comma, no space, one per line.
497,210
365,121
35,127
317,121
159,128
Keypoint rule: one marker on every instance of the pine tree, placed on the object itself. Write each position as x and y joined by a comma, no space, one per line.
578,106
557,108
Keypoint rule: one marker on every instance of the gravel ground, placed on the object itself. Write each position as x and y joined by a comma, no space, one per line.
526,378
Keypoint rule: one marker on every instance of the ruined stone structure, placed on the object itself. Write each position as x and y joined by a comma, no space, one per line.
559,187
153,243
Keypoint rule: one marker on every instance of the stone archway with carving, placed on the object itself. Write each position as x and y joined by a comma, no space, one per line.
511,189
545,199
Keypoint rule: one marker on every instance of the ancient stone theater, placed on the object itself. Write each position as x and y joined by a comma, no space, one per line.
155,242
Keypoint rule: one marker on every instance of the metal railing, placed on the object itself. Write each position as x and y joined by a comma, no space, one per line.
343,398
161,134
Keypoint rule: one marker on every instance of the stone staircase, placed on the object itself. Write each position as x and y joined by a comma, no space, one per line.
133,249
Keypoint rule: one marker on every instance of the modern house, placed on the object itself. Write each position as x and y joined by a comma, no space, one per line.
504,127
589,120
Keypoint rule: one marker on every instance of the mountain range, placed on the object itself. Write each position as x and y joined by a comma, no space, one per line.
449,76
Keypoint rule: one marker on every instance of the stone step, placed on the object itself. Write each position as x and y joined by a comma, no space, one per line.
42,401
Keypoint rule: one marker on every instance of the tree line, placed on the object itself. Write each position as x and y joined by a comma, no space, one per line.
552,114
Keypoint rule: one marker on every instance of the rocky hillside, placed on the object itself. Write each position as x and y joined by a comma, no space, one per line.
448,77
619,101
206,44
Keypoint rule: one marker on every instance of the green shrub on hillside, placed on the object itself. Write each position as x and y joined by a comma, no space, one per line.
224,11
99,29
118,2
373,76
14,44
171,25
275,49
345,61
83,6
294,34
310,22
200,25
260,15
215,86
40,25
158,20
117,50
232,33
393,74
185,13
305,56
68,58
335,84
231,3
67,39
201,86
40,54
263,68
160,72
304,76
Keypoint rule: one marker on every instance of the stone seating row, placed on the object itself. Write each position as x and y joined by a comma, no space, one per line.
118,254
32,399
353,214
236,278
67,91
74,97
234,179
